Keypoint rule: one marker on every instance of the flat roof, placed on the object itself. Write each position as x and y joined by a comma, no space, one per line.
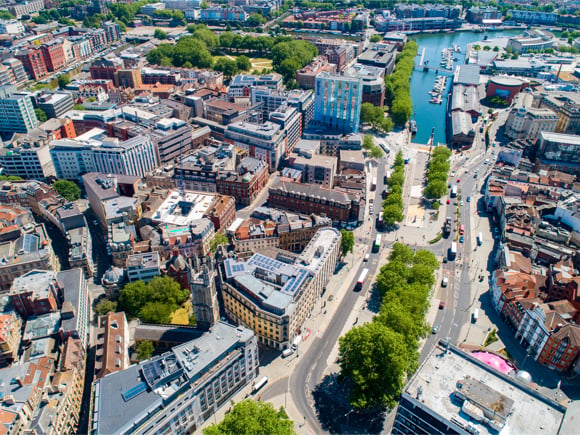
560,137
182,210
126,398
451,382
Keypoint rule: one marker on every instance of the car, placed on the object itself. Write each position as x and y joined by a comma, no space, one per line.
434,330
95,222
475,175
461,203
444,259
493,153
469,199
486,162
459,180
461,239
371,201
453,173
494,144
448,201
441,305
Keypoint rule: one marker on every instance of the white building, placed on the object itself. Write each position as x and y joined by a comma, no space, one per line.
92,152
529,122
16,112
29,161
143,267
11,27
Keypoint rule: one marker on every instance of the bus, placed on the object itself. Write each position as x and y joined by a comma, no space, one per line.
461,229
361,280
374,184
452,251
377,244
454,191
380,220
479,239
259,384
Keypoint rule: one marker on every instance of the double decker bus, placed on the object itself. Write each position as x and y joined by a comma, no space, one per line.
361,280
452,253
377,244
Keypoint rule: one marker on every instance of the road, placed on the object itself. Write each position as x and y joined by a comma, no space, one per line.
312,364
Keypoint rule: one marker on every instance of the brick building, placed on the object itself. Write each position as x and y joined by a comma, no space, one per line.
33,62
245,184
311,198
35,293
53,54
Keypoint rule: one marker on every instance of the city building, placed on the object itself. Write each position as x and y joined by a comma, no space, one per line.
11,27
94,152
241,84
312,198
567,107
10,335
245,183
291,122
15,71
337,102
74,312
112,353
306,76
537,39
27,159
454,392
266,141
478,15
54,56
25,8
31,250
373,83
80,252
273,297
534,17
505,87
381,55
143,267
527,122
235,14
559,149
462,130
35,293
192,381
316,168
55,105
16,112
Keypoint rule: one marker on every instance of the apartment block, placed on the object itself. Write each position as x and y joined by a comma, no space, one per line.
244,184
112,344
56,105
35,293
16,112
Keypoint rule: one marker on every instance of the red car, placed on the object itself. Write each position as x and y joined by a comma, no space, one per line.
441,305
448,201
459,180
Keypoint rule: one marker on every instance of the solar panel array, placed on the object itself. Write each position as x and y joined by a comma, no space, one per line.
295,283
233,268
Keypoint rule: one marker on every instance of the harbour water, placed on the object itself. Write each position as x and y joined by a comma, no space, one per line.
430,115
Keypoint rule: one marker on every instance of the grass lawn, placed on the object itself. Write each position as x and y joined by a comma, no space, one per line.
261,63
181,315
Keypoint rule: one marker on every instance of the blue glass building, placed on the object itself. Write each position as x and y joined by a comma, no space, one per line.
337,102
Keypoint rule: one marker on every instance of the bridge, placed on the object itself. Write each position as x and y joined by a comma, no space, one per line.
434,68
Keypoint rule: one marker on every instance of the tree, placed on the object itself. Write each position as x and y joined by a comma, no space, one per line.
392,214
243,63
152,302
105,306
40,114
227,66
144,350
250,417
63,80
255,20
218,239
203,5
375,358
376,38
67,189
347,242
436,189
160,34
376,152
5,15
496,48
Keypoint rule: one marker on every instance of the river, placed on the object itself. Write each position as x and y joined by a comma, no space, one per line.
430,115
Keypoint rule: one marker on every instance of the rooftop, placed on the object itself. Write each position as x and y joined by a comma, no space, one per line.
182,209
124,399
453,384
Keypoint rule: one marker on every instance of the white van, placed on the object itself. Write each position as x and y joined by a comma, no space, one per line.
287,352
367,256
444,282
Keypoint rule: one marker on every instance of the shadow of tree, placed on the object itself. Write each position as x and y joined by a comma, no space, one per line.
335,413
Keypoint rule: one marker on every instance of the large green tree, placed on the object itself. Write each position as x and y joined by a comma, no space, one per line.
218,239
67,189
250,417
152,302
346,242
144,350
375,358
63,80
40,114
